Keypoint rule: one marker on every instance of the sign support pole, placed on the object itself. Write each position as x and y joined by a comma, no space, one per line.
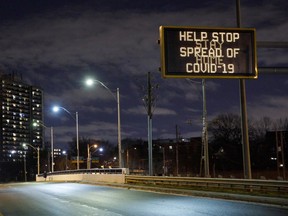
244,119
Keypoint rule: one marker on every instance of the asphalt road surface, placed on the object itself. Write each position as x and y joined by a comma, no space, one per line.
42,199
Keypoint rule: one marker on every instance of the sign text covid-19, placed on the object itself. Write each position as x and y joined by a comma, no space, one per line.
208,53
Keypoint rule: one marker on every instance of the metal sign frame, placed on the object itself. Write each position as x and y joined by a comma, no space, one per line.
200,52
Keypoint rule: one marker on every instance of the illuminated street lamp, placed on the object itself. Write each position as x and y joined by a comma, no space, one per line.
89,155
35,124
90,82
66,155
38,156
56,109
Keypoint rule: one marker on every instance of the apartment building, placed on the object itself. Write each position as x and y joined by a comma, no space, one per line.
20,106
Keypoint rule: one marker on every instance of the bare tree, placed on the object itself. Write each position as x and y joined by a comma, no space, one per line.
281,125
225,131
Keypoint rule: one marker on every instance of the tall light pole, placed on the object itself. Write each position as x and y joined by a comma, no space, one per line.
77,138
25,170
52,149
90,82
51,140
56,109
38,157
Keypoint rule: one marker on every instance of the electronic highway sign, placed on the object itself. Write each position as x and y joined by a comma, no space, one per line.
193,52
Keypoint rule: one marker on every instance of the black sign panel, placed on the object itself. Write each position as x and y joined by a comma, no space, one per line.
188,52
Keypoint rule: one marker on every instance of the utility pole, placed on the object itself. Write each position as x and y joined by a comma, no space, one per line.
204,148
149,103
149,112
177,150
280,153
204,160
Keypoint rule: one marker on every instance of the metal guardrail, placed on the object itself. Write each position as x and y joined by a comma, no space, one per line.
89,171
245,185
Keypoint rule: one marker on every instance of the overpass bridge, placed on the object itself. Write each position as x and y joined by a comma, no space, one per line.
255,190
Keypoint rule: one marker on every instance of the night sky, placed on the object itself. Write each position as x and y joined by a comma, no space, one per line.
57,44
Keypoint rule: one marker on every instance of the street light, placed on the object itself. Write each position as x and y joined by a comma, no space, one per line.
35,124
88,155
56,109
38,157
65,153
90,82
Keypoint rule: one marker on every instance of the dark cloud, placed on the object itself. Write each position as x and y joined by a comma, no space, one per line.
57,44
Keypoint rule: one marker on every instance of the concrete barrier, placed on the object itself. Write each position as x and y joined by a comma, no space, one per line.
108,178
93,176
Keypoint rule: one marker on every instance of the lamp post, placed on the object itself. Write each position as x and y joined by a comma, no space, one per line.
51,140
90,82
56,109
38,158
65,153
25,170
89,155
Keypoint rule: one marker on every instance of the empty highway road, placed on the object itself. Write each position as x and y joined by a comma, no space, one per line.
84,199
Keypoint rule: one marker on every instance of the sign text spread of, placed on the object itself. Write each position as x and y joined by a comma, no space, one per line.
208,53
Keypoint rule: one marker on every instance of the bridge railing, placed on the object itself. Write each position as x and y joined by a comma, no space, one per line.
255,185
123,171
218,184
